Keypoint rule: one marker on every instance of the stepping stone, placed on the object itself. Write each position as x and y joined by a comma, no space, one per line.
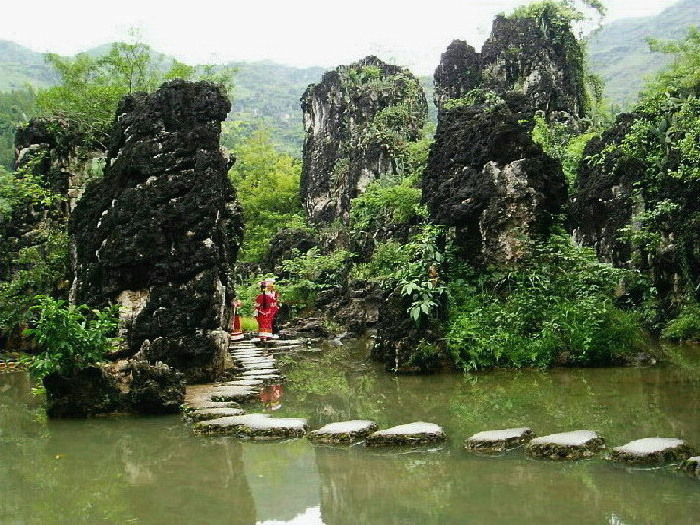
691,466
259,366
652,451
249,382
204,414
233,393
418,433
270,379
274,428
344,432
228,426
260,372
578,444
495,441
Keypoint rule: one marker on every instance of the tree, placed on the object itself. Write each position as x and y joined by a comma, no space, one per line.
90,87
268,189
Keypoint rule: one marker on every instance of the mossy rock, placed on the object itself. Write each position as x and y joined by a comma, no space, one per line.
274,428
343,432
205,414
691,466
566,446
497,441
652,451
411,434
226,426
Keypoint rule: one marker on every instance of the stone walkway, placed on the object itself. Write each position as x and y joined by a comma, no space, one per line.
217,409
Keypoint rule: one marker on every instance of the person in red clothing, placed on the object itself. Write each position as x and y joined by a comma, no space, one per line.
265,308
235,329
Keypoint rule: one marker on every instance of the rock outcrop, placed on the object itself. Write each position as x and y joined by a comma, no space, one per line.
357,120
486,177
160,232
637,220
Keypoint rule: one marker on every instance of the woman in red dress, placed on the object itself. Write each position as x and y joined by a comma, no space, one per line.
266,307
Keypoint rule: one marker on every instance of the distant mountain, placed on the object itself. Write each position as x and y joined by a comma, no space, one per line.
619,52
20,67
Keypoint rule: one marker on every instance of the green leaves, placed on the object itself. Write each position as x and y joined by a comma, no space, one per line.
557,307
71,337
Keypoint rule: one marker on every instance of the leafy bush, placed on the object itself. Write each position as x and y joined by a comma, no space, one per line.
557,308
686,326
71,337
387,202
311,273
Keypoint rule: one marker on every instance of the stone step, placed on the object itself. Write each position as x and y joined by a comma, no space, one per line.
226,425
204,414
234,393
496,441
274,428
343,432
417,433
246,382
577,444
652,451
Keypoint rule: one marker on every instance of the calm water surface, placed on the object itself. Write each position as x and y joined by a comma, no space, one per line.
153,470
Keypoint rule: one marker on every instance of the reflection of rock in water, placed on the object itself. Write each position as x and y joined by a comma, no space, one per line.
216,491
362,487
282,478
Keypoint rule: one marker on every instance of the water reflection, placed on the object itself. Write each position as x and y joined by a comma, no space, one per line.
153,470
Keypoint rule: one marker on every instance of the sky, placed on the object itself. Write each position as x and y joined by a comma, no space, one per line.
300,33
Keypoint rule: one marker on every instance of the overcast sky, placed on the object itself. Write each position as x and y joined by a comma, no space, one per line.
295,32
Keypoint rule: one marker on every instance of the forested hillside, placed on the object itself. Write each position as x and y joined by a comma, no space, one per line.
619,52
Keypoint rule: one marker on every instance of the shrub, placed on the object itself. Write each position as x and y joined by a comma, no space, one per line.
71,337
686,326
558,308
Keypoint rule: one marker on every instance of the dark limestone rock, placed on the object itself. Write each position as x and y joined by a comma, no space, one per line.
285,244
160,232
458,73
87,392
355,119
54,149
156,389
399,340
488,179
535,57
613,193
604,199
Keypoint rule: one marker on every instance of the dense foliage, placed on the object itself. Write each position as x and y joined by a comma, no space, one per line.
267,183
556,308
70,337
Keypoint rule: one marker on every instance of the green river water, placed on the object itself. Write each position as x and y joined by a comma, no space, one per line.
154,470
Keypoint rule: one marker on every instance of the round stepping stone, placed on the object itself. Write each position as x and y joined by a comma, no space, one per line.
418,433
577,444
204,414
343,432
274,428
228,426
652,451
495,441
691,466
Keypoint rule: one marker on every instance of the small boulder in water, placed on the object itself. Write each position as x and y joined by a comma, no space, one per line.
495,441
344,432
418,433
577,444
652,451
